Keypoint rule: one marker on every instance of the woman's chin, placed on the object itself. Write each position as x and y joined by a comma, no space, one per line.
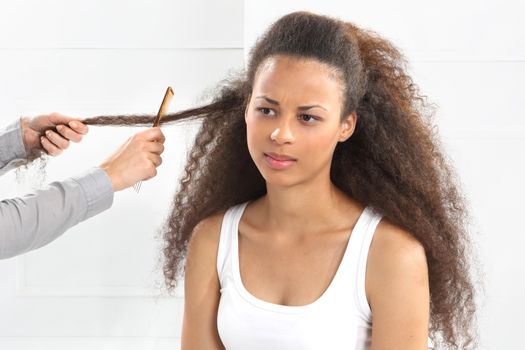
276,178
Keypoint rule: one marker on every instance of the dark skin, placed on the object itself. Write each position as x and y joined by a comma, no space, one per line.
309,260
303,222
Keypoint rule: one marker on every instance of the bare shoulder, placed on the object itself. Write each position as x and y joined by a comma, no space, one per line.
393,251
206,233
397,287
204,244
202,286
202,252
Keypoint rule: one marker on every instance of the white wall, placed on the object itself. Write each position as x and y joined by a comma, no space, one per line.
95,287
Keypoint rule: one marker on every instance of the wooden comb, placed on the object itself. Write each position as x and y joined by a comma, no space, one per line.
162,110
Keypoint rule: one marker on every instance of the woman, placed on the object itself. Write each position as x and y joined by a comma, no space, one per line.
316,210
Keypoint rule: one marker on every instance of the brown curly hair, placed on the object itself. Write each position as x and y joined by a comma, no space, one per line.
393,161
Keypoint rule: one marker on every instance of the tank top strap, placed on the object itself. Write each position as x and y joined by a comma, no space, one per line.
223,251
226,239
355,266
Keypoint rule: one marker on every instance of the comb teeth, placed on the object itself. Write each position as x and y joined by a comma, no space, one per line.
136,186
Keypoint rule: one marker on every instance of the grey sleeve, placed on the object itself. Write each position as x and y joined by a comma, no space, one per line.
12,150
36,219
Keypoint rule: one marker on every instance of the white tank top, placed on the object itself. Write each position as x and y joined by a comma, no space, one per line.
339,319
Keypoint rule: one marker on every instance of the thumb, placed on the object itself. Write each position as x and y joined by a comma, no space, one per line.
57,118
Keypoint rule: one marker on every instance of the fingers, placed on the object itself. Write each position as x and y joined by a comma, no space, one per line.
137,159
49,147
54,143
78,127
147,166
152,134
72,123
155,159
150,170
155,147
58,119
71,134
57,140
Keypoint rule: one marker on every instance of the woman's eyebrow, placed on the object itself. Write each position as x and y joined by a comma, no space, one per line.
302,108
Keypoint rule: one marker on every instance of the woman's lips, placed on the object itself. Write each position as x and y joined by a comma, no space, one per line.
278,164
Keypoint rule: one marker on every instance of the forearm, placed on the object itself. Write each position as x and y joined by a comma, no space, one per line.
12,150
32,221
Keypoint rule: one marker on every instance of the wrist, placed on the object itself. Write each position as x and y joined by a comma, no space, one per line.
30,138
24,126
113,178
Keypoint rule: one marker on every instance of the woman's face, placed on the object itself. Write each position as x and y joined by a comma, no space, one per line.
295,109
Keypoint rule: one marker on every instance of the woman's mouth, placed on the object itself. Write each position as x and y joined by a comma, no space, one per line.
278,164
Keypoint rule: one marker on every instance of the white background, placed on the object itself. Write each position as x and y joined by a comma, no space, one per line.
97,287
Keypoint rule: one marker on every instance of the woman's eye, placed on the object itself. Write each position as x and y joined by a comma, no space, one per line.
309,119
264,110
308,116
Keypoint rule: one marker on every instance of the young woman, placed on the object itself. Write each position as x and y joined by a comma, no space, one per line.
316,209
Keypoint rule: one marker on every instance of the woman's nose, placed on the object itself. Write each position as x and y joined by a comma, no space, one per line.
282,135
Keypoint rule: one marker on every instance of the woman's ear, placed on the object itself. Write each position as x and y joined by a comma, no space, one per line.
348,126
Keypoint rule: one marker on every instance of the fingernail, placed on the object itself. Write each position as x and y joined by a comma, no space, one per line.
48,132
74,124
60,127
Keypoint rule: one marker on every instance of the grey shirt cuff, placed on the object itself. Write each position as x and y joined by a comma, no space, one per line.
12,150
96,186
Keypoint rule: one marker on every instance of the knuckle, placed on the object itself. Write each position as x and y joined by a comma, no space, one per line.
151,170
146,165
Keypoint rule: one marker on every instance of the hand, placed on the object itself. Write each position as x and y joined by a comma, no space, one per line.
39,133
136,160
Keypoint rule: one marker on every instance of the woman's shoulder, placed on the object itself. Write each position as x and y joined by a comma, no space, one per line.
389,236
204,241
394,255
397,281
208,230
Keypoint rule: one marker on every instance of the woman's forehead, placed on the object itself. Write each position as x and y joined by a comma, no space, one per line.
291,77
283,63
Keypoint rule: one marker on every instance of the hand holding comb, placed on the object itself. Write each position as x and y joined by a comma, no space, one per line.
162,110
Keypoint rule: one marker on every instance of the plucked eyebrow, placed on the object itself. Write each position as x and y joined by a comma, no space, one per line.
302,108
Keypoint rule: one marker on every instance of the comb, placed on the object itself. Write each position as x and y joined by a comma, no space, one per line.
162,110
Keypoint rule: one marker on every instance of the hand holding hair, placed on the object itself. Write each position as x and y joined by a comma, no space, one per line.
51,133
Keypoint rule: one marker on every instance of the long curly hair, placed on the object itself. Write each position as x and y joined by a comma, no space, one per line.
393,161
